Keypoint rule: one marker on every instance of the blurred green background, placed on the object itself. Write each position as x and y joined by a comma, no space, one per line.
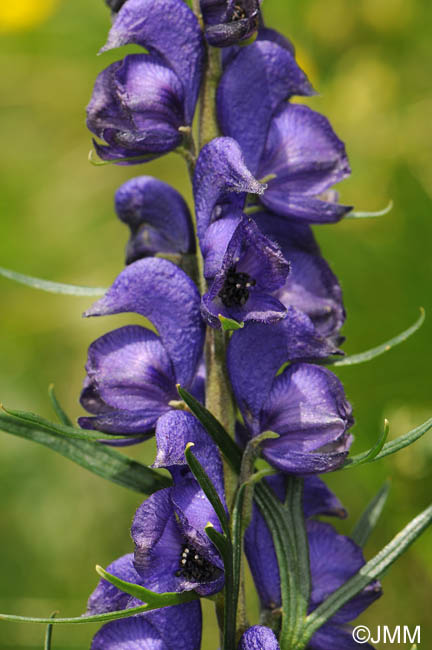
371,61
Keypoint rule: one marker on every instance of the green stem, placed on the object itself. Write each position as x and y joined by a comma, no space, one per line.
208,127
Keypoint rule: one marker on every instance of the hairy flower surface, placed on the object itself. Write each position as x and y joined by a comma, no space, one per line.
132,372
157,216
258,637
139,104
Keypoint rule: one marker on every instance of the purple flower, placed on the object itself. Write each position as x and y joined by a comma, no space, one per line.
291,145
333,559
170,628
132,372
171,547
252,270
230,21
258,637
139,104
158,218
305,404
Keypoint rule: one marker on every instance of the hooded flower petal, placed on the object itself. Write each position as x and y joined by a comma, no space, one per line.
256,353
137,107
307,407
170,628
258,637
158,218
163,293
307,158
168,29
253,268
228,22
221,176
130,373
252,87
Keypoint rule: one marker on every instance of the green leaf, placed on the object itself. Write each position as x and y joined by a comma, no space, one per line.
207,487
60,429
48,633
362,357
151,598
62,416
390,447
97,458
52,287
366,215
372,570
229,324
214,428
369,519
221,542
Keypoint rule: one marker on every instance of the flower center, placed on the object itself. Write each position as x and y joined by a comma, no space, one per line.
235,291
238,13
195,568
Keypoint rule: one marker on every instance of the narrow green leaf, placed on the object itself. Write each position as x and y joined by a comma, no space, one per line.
97,458
367,215
226,444
207,486
372,570
369,519
229,324
221,542
52,287
148,597
362,357
61,414
60,429
48,633
390,447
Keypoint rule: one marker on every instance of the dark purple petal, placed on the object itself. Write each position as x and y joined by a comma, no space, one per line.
256,353
264,34
318,499
158,542
258,637
158,218
130,373
307,158
106,597
137,108
170,628
215,242
169,29
311,285
253,268
163,293
334,559
228,22
173,432
252,87
221,175
308,408
336,638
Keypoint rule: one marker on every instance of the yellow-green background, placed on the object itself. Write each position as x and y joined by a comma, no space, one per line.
371,61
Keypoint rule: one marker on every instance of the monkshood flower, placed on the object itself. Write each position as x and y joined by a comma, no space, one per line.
305,404
258,637
171,547
333,560
170,628
230,21
157,216
292,146
311,285
252,270
140,103
132,372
